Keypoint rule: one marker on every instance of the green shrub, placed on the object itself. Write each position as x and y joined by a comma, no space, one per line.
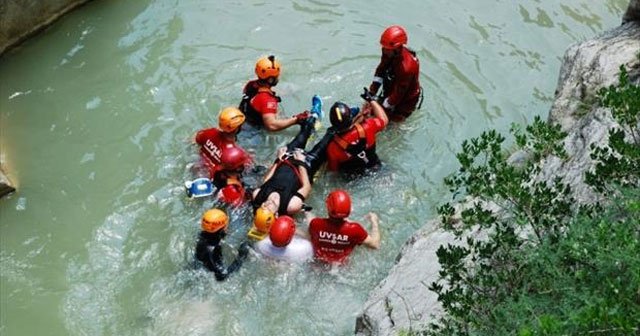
542,266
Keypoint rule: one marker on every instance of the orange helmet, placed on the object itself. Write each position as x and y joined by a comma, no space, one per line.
393,37
338,204
263,219
267,67
213,220
282,231
230,119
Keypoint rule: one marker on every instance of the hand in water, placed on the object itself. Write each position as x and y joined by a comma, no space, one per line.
243,250
372,217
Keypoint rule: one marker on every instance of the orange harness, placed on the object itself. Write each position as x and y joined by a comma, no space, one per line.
344,144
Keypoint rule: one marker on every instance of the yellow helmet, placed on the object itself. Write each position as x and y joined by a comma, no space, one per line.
213,220
267,67
230,119
263,219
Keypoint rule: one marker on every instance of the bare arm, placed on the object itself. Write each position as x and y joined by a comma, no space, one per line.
378,111
373,239
273,124
295,204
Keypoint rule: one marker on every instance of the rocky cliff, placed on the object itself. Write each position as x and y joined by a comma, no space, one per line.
402,301
20,19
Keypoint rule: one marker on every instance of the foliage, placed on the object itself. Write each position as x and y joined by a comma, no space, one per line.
532,262
620,158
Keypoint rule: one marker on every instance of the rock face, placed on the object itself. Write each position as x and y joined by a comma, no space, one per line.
402,301
20,19
586,68
5,185
633,12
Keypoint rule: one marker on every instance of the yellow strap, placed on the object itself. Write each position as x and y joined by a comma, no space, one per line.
256,234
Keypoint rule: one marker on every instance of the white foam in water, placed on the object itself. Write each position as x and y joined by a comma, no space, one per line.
93,103
21,204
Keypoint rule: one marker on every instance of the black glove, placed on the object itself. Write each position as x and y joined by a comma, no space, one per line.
243,250
366,95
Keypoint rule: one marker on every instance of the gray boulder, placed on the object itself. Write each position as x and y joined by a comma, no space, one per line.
633,12
586,68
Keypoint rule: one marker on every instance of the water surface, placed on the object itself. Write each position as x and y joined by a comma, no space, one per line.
96,116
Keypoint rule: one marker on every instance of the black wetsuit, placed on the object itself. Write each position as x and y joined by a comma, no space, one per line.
209,252
285,180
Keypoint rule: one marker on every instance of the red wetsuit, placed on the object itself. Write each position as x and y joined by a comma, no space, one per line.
212,145
401,85
334,240
355,149
258,101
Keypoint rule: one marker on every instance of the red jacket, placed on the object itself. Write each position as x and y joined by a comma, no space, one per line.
333,241
338,156
212,144
258,101
401,79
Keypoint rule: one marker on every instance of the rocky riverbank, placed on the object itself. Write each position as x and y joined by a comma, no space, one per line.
402,301
20,19
5,185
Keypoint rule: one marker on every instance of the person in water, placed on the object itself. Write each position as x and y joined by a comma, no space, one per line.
287,183
223,157
208,249
284,244
334,238
353,148
260,103
398,73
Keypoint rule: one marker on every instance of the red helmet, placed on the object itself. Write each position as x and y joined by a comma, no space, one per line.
232,194
282,231
393,37
233,158
338,204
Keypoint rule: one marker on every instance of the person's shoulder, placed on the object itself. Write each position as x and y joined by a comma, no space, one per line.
374,123
410,62
316,221
265,102
351,225
266,95
207,133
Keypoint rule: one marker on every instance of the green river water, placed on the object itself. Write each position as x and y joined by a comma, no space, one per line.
97,112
